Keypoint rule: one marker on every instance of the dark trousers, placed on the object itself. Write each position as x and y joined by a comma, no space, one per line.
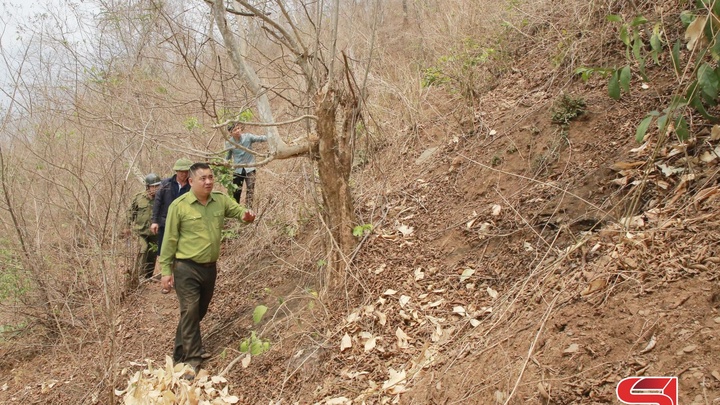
249,180
160,234
194,285
147,256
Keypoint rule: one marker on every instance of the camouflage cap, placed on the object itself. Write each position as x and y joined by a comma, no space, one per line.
182,164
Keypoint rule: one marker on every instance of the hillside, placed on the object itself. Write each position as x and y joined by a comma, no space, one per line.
524,249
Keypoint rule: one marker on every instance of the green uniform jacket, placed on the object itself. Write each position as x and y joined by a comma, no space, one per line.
140,213
193,230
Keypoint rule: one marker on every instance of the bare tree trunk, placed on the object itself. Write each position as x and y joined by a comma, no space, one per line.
334,166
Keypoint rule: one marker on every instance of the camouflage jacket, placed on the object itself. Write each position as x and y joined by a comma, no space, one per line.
140,213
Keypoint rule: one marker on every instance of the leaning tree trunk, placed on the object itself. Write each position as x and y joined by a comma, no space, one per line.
334,166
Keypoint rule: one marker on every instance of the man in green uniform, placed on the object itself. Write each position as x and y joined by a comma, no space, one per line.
192,242
138,220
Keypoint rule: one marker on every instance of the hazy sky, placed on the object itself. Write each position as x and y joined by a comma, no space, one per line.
22,21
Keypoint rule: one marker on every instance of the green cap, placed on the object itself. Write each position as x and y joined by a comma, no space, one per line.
182,164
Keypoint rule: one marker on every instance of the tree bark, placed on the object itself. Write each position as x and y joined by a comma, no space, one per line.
334,167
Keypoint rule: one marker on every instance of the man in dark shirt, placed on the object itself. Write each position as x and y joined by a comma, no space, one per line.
170,189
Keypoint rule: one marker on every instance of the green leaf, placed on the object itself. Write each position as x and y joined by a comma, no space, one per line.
677,102
642,128
681,128
361,229
708,28
676,56
614,85
708,83
258,313
637,46
715,50
614,18
694,100
624,37
625,76
687,17
639,20
584,73
656,44
700,108
255,347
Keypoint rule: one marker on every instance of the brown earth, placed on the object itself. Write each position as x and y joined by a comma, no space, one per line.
525,264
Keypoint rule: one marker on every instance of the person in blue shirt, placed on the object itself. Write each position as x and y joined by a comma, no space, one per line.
237,156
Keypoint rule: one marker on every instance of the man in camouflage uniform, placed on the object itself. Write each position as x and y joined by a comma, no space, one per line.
139,218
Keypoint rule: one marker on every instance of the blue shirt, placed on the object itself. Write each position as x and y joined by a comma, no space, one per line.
239,156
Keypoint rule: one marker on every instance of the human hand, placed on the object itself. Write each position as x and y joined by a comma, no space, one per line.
167,282
154,228
248,216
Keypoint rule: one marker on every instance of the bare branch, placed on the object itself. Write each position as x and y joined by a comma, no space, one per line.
233,11
265,124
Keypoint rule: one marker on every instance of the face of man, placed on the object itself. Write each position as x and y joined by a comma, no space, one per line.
202,182
237,131
181,176
151,190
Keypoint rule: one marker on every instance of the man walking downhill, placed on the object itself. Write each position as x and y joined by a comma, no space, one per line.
170,189
245,174
190,250
138,219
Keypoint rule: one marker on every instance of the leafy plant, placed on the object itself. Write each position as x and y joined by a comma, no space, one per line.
191,123
361,230
702,92
223,175
242,116
459,67
254,345
672,115
11,276
10,329
629,34
567,109
587,72
433,76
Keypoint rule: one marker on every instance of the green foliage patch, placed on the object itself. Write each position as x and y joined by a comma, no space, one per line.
567,109
12,285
